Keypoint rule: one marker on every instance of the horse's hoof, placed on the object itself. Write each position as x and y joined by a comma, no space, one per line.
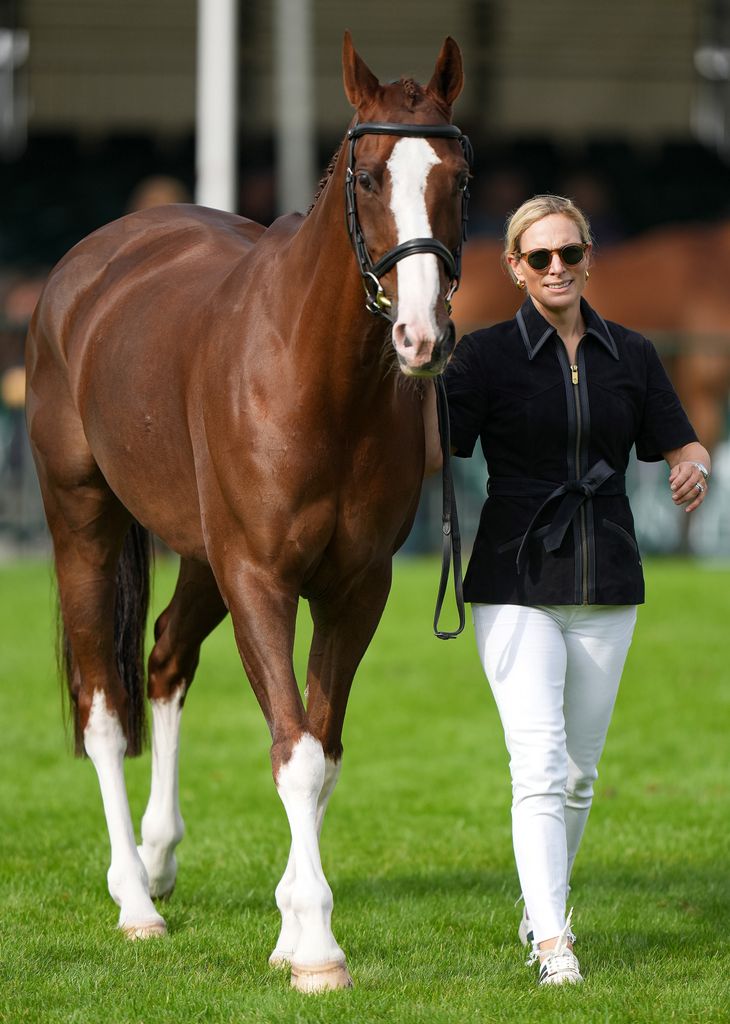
320,977
153,930
280,958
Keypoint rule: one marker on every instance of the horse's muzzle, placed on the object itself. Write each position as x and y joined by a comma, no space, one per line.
424,359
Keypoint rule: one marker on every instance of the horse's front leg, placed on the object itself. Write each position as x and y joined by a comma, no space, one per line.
342,632
290,932
317,962
264,616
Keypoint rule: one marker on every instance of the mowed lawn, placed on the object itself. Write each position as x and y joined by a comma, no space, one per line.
416,844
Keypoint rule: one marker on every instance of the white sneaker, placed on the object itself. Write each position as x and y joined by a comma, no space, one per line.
524,932
560,965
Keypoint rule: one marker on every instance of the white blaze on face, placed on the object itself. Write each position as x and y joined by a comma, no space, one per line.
418,275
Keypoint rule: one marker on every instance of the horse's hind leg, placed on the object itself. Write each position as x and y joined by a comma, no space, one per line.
195,609
86,557
88,526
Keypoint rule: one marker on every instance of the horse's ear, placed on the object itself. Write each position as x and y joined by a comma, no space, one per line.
360,83
448,77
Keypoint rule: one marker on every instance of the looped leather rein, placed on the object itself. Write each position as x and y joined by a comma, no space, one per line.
451,544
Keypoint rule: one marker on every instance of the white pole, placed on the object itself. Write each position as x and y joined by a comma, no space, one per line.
216,118
296,158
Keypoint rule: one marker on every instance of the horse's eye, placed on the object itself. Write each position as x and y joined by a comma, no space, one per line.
462,182
364,181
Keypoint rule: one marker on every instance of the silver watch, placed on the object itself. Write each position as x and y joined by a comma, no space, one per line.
703,469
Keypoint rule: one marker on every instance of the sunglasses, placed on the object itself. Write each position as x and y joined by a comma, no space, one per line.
570,256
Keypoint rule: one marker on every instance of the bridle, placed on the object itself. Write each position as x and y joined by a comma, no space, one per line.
376,300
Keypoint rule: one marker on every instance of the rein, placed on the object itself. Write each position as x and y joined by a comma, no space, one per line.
451,545
378,303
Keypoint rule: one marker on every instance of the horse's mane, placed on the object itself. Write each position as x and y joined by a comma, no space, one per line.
325,178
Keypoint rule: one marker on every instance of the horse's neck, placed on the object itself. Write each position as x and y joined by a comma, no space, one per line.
347,341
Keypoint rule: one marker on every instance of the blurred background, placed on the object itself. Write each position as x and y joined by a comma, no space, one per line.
109,106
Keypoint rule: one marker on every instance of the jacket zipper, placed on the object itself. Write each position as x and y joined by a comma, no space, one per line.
578,469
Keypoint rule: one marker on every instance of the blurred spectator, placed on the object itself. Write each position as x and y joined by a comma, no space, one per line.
157,190
592,194
257,195
493,197
20,507
19,294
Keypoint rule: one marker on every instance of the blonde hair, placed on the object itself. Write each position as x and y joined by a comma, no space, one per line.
534,210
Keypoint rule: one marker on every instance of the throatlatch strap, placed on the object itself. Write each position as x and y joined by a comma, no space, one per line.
451,546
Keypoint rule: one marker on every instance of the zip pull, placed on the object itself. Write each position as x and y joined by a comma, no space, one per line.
574,373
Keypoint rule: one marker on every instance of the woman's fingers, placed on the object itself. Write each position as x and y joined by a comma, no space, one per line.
687,485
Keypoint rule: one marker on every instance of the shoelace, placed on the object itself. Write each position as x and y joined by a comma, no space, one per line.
563,964
560,949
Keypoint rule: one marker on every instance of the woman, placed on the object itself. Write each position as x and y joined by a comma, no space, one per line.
558,398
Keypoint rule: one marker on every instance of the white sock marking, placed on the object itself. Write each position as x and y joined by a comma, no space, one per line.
127,878
290,929
162,824
300,783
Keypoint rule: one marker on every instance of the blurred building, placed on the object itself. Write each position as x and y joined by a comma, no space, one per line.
625,105
551,90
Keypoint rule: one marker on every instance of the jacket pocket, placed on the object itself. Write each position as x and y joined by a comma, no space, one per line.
620,532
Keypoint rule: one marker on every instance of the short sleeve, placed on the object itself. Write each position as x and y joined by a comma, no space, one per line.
664,424
466,392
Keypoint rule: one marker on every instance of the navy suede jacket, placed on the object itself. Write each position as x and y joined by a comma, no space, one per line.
556,527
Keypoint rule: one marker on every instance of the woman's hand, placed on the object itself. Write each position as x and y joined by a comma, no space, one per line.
686,481
687,485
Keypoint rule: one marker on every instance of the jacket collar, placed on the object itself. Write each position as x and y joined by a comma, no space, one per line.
535,329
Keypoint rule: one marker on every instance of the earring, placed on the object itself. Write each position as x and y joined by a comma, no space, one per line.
587,274
520,284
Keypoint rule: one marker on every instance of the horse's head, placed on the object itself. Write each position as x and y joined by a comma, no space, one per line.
407,180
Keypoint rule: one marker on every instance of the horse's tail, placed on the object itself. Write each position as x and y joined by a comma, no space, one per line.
130,619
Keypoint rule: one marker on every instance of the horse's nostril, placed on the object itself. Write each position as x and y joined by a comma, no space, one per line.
407,343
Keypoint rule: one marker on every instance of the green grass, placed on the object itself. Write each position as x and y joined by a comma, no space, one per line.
416,845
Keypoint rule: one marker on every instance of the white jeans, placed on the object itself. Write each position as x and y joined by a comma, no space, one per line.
554,672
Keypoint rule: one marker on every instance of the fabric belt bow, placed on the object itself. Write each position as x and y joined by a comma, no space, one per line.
573,493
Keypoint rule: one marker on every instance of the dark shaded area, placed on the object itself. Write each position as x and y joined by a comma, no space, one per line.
64,187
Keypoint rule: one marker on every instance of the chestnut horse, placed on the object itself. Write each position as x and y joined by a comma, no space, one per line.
670,283
224,386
